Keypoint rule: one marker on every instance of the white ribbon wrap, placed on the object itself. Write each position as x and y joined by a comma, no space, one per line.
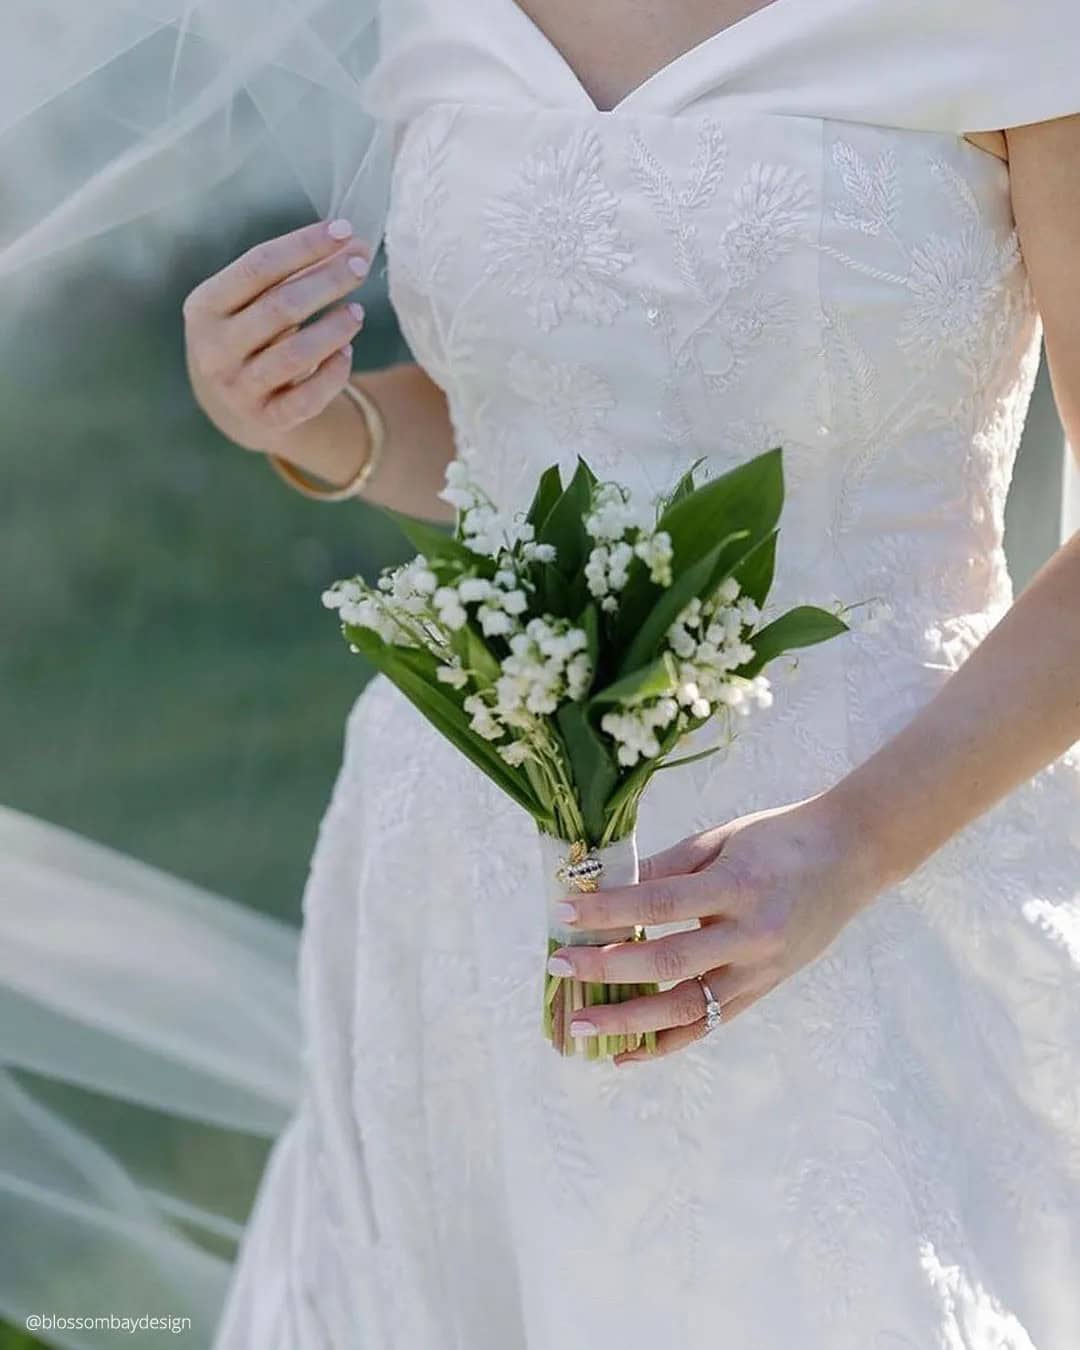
619,868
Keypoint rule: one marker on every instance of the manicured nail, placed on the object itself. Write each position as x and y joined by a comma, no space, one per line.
357,311
346,350
339,229
359,265
582,1029
565,910
559,965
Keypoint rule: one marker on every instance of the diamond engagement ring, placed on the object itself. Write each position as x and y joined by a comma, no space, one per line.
712,1006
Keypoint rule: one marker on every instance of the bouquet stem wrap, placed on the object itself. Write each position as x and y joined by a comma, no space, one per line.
569,868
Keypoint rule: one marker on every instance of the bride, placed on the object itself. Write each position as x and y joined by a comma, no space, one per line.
649,233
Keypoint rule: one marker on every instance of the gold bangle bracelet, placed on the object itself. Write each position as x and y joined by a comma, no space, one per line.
376,429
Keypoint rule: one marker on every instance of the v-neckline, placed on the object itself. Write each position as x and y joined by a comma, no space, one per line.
515,15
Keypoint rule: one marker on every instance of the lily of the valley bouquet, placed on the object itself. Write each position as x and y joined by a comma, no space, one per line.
569,650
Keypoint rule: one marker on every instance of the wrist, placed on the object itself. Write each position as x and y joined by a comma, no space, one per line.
876,833
335,446
856,836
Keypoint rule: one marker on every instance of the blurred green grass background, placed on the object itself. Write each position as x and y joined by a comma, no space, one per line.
172,685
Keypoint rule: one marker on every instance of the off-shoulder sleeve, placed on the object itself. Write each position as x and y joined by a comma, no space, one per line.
1002,63
944,65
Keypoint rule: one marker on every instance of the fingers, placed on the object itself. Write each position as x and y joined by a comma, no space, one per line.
672,957
291,302
688,855
263,266
681,1006
308,398
668,899
676,1038
294,356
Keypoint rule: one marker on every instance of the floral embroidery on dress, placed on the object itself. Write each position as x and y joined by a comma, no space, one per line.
770,208
572,400
554,237
958,282
955,281
674,205
874,190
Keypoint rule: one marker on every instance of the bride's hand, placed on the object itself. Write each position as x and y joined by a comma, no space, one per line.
771,891
256,373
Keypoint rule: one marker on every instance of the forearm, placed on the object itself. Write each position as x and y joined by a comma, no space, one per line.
419,441
1011,709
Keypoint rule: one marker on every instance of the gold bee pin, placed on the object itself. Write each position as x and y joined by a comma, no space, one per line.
580,870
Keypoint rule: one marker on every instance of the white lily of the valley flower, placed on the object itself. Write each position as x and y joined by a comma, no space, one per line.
482,719
612,513
516,753
474,588
449,608
453,674
494,622
656,552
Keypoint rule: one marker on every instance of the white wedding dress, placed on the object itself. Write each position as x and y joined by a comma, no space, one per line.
781,238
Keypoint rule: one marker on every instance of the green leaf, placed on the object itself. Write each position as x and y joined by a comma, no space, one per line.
470,646
801,627
589,620
632,786
749,497
564,526
651,681
741,507
698,579
548,491
755,570
591,764
690,759
437,543
684,486
553,590
412,671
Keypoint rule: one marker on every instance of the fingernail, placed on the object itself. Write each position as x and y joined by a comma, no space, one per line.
582,1029
359,265
357,311
565,910
346,350
339,229
559,965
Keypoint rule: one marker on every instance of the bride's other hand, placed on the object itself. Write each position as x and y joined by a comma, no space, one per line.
256,373
771,891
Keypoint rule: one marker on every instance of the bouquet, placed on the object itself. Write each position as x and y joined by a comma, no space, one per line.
568,650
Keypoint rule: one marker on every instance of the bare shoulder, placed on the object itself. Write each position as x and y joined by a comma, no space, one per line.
1044,179
994,141
1059,136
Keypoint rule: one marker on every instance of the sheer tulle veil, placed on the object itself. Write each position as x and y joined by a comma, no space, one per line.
155,100
115,977
159,998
